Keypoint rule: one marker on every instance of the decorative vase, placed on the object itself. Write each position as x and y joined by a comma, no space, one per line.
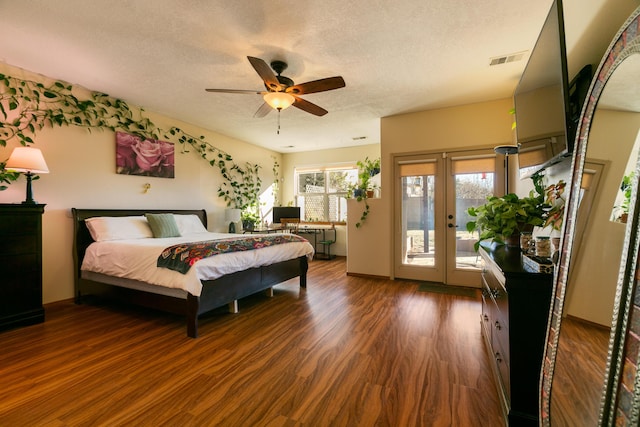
512,241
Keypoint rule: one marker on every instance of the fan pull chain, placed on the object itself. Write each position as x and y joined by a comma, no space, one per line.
279,109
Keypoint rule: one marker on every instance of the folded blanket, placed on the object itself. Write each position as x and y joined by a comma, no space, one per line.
181,257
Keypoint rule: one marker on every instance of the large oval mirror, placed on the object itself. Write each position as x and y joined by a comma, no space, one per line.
589,283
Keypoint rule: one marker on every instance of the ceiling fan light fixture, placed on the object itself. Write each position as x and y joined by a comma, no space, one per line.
279,100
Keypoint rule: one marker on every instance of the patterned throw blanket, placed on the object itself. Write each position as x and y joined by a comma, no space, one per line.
182,256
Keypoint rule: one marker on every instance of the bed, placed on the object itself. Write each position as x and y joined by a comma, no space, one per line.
223,286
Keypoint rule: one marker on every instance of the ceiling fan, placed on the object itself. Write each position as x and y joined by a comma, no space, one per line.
281,92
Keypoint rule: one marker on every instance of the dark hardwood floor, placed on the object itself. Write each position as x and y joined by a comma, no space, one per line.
347,351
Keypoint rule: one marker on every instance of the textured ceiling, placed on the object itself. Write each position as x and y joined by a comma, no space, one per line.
396,57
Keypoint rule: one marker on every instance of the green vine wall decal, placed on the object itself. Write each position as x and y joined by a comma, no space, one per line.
26,107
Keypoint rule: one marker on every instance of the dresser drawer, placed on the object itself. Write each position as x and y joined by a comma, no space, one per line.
502,362
500,338
498,294
15,244
19,224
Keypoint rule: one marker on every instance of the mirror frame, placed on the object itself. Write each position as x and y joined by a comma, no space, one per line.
620,401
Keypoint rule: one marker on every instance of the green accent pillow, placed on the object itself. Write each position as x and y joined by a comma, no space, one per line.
163,225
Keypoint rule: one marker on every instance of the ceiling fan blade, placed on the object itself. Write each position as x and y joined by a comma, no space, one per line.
263,110
330,83
258,92
309,107
265,72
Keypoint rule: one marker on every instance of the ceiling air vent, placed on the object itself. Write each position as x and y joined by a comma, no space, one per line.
513,57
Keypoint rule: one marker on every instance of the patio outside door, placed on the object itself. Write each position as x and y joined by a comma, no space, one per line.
432,194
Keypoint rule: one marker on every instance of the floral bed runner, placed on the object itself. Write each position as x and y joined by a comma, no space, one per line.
181,257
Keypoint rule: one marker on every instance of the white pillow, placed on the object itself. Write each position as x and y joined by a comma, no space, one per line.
118,227
188,224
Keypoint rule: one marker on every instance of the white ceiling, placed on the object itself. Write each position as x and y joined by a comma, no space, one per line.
396,57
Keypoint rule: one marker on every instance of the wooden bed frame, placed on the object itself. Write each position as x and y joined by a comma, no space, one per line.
215,293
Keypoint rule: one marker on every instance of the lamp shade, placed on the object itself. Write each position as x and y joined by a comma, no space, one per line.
279,100
27,159
232,215
507,149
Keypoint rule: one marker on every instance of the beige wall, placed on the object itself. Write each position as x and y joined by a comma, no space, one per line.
347,155
82,174
484,124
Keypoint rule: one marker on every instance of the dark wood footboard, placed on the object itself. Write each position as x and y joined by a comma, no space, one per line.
215,293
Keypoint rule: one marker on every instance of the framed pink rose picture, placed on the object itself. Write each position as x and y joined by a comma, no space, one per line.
145,157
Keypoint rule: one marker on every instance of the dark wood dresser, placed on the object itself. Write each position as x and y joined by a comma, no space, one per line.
20,265
515,312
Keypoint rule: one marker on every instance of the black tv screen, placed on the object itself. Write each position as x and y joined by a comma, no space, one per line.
541,99
280,212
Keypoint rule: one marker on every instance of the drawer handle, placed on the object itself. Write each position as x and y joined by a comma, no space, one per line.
497,324
486,318
498,357
495,293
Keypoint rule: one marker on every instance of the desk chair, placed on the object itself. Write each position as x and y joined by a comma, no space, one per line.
326,244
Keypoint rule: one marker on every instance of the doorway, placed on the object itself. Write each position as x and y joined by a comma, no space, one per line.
432,193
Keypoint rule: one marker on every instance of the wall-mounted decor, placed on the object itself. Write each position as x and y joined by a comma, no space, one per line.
146,157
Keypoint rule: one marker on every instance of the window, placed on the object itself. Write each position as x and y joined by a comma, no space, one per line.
321,193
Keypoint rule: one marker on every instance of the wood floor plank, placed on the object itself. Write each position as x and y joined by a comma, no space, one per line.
346,351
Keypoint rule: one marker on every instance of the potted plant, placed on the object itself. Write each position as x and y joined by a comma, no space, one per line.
364,188
249,219
502,219
372,167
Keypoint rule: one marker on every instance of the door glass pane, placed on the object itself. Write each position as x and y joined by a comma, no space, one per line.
471,189
418,220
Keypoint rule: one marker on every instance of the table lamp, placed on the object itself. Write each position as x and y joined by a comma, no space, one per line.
232,215
29,161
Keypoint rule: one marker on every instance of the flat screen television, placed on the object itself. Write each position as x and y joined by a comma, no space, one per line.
547,105
280,212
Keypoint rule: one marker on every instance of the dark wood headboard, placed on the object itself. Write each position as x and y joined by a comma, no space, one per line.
82,238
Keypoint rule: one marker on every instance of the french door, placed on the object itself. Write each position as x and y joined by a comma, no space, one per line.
431,196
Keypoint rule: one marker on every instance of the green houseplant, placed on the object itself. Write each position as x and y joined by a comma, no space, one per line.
364,188
502,219
622,210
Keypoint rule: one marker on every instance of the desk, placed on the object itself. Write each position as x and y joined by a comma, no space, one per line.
320,235
261,230
324,236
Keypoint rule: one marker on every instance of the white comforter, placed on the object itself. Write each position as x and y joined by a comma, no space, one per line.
137,259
